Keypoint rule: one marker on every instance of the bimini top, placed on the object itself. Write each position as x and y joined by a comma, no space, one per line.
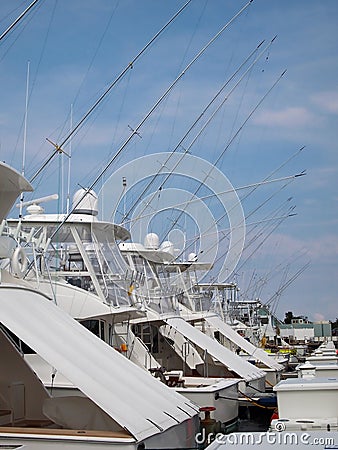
11,185
84,224
257,353
132,397
233,362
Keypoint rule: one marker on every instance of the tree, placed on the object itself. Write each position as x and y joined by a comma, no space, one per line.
288,317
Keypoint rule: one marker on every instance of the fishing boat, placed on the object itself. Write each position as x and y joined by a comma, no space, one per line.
307,414
201,304
87,282
122,406
173,327
323,362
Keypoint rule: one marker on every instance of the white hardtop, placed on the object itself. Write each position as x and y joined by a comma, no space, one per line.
158,256
307,384
188,266
133,398
82,222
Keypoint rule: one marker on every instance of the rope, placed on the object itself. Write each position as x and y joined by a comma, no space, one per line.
255,403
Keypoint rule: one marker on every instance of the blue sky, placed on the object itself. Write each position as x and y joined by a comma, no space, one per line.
76,49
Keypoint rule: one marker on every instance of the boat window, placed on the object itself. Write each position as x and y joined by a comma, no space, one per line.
102,330
19,344
94,326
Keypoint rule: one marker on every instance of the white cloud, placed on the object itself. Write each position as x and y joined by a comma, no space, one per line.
285,245
327,101
318,317
288,117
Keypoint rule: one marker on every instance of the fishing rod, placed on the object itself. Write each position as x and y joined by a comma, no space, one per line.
266,221
4,34
251,224
287,283
262,233
260,206
280,218
280,221
58,148
266,224
192,126
271,174
152,109
230,142
265,179
219,194
272,302
261,243
275,269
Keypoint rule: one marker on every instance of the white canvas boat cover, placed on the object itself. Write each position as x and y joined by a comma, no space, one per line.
257,353
233,362
133,398
11,185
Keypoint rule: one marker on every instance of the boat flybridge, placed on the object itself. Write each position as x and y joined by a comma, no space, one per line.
93,282
78,264
204,304
197,303
172,340
80,250
122,406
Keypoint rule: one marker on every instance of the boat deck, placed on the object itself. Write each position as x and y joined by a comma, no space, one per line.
47,427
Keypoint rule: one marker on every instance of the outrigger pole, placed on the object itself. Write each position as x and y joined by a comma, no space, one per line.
145,118
58,148
4,34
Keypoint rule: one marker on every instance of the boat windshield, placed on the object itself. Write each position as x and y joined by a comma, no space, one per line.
155,289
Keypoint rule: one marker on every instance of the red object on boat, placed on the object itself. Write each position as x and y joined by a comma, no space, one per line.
275,415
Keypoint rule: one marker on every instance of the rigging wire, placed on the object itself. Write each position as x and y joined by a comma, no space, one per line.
104,33
218,194
17,20
23,25
42,52
192,126
145,118
232,139
58,148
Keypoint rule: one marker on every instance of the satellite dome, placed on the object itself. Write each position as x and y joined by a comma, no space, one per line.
168,247
85,202
192,257
151,241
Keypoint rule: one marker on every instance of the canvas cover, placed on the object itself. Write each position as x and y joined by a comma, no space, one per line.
132,397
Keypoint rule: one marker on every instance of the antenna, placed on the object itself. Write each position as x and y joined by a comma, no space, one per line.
25,135
69,160
37,201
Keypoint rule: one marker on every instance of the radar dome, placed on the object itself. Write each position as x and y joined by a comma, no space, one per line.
151,241
85,202
192,257
168,247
